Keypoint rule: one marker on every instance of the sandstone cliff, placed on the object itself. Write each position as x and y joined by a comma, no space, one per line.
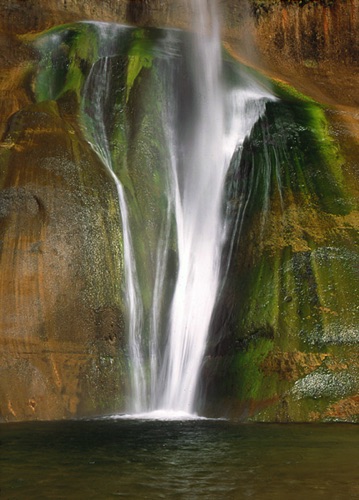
61,324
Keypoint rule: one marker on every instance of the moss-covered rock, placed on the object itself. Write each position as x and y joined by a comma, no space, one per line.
289,348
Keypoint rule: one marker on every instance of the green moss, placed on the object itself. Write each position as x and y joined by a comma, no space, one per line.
136,63
278,294
290,149
294,271
67,53
251,383
285,303
288,93
335,270
139,56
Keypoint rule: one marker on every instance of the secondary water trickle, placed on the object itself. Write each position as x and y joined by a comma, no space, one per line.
204,122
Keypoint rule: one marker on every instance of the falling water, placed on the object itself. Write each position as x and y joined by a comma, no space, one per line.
222,122
97,91
198,209
198,160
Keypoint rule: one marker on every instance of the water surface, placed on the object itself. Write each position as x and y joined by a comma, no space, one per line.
138,459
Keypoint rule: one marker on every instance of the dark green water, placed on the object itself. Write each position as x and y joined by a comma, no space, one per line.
189,460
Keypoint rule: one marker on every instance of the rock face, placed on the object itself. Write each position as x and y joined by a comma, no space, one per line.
60,316
314,47
291,301
288,349
285,339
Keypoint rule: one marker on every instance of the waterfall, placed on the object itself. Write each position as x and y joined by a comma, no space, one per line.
97,91
222,121
201,142
198,216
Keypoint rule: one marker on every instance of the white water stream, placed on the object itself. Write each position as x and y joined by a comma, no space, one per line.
221,120
97,91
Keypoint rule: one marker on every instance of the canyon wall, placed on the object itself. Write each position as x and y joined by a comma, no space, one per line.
62,345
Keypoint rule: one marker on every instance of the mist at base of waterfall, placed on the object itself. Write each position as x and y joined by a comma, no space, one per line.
167,415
